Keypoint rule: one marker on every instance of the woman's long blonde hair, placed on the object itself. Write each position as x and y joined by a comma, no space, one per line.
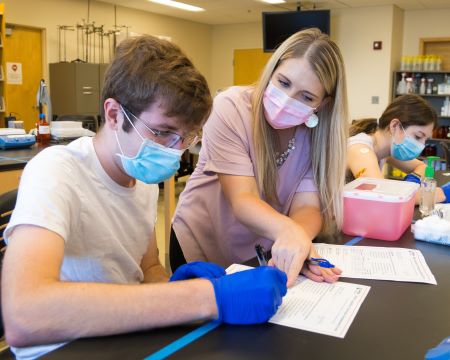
328,138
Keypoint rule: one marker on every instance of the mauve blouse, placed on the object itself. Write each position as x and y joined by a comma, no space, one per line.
204,222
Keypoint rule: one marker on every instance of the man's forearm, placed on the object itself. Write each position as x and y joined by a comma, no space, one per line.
59,311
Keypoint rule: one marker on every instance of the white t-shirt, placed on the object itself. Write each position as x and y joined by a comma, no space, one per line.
106,227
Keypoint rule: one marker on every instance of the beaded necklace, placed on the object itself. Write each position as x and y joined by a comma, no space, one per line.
281,158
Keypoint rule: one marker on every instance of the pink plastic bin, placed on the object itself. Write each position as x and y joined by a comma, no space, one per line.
378,208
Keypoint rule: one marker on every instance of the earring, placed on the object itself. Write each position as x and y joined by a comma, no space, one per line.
312,121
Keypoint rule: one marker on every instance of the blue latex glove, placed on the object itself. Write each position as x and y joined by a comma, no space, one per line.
446,189
412,178
197,269
250,296
440,352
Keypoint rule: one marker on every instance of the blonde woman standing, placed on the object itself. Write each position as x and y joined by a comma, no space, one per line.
272,164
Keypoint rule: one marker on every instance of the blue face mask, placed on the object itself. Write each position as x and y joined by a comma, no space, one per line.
409,149
153,163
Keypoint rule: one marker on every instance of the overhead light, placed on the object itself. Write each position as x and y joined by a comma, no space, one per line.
274,1
178,5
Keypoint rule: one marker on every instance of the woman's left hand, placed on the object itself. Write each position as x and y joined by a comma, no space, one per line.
317,273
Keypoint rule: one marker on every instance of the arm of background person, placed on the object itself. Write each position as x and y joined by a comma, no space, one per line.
411,166
362,161
34,298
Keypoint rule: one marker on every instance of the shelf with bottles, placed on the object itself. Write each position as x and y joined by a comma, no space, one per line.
433,86
421,62
424,83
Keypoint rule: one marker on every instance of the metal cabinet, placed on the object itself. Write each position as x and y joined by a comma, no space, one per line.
75,88
102,70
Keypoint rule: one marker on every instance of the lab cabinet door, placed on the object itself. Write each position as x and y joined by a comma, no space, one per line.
62,88
101,77
87,88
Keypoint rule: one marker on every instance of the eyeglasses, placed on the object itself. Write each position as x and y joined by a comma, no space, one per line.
167,138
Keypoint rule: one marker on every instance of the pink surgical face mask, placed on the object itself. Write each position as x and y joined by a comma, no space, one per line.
283,112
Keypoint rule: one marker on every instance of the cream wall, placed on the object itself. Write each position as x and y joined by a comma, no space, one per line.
368,71
211,47
397,40
424,24
194,38
225,39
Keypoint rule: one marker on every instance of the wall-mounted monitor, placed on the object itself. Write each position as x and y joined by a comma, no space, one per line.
278,26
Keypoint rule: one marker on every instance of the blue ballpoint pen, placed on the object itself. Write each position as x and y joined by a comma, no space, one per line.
261,255
320,262
262,259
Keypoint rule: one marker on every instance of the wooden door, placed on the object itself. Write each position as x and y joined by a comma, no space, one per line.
24,46
248,65
437,46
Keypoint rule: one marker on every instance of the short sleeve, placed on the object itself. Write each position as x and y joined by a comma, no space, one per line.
307,184
45,196
225,141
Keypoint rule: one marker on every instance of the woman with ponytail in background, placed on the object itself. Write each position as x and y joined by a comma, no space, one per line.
272,165
397,138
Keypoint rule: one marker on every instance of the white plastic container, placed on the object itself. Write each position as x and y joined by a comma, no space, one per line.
378,208
434,228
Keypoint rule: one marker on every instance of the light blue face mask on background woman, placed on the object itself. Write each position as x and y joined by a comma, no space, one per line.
153,163
408,149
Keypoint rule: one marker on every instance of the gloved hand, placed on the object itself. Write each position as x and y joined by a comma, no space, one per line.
446,189
412,178
198,269
250,296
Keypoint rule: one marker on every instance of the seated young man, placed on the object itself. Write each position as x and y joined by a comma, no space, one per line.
82,258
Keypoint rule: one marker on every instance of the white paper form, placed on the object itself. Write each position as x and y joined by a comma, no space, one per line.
322,308
378,263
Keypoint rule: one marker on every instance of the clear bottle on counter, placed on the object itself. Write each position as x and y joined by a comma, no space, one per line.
428,188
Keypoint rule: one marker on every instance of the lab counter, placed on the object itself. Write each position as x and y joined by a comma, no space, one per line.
12,162
398,320
16,159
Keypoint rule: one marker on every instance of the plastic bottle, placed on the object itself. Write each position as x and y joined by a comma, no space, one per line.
401,86
438,63
426,63
409,86
420,63
428,188
403,65
429,86
43,131
423,86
